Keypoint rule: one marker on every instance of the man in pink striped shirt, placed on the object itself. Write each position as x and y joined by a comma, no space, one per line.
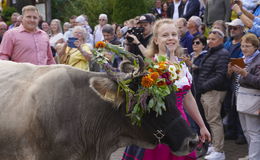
27,43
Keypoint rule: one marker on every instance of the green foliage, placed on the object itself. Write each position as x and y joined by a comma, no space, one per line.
117,10
7,13
125,9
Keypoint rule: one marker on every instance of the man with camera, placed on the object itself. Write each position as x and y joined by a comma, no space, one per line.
138,38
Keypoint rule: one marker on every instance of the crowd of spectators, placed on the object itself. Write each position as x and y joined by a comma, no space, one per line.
212,33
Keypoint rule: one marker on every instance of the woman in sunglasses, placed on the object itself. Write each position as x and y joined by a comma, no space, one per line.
199,45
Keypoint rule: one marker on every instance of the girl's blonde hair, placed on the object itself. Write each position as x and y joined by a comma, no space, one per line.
153,48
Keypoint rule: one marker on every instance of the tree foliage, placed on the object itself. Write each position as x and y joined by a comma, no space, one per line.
125,9
117,10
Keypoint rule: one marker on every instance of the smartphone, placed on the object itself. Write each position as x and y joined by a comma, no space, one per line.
238,61
71,41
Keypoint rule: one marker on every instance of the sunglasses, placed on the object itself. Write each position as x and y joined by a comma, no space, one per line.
218,33
234,28
196,42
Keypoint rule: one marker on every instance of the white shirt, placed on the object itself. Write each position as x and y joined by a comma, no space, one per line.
55,38
98,35
176,10
159,10
185,8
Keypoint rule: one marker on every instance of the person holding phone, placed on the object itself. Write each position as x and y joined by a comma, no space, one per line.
248,94
75,51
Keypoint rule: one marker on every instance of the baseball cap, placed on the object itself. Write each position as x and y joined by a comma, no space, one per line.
146,18
236,22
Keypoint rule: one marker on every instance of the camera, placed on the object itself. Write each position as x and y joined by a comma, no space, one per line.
137,31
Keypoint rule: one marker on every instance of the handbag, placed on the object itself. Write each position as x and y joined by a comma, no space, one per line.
248,100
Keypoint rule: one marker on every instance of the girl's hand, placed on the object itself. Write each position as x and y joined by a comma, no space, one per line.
204,134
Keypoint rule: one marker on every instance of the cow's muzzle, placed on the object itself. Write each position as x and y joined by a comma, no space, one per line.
188,145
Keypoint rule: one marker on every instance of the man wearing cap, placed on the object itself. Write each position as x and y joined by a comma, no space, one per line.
233,127
98,35
211,82
235,31
138,46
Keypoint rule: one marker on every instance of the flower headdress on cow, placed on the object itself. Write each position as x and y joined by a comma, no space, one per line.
145,88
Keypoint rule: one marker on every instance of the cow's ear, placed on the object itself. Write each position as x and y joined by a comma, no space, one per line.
106,89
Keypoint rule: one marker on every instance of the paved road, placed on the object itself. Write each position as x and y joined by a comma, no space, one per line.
232,150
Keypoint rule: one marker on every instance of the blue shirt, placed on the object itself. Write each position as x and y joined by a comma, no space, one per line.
234,49
186,42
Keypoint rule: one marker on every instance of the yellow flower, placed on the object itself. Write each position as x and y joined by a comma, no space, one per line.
147,81
162,65
100,44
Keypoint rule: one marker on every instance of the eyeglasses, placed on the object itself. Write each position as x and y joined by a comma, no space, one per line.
234,28
102,19
246,46
196,42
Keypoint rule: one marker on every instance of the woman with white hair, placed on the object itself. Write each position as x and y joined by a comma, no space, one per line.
76,51
56,35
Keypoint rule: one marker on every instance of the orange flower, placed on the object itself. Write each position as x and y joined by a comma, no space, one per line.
160,71
147,81
150,70
100,44
154,75
162,65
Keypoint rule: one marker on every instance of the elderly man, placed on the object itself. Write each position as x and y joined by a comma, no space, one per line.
98,36
193,25
3,29
27,43
235,31
211,82
233,127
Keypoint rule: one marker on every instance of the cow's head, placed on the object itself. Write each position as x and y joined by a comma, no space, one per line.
169,128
